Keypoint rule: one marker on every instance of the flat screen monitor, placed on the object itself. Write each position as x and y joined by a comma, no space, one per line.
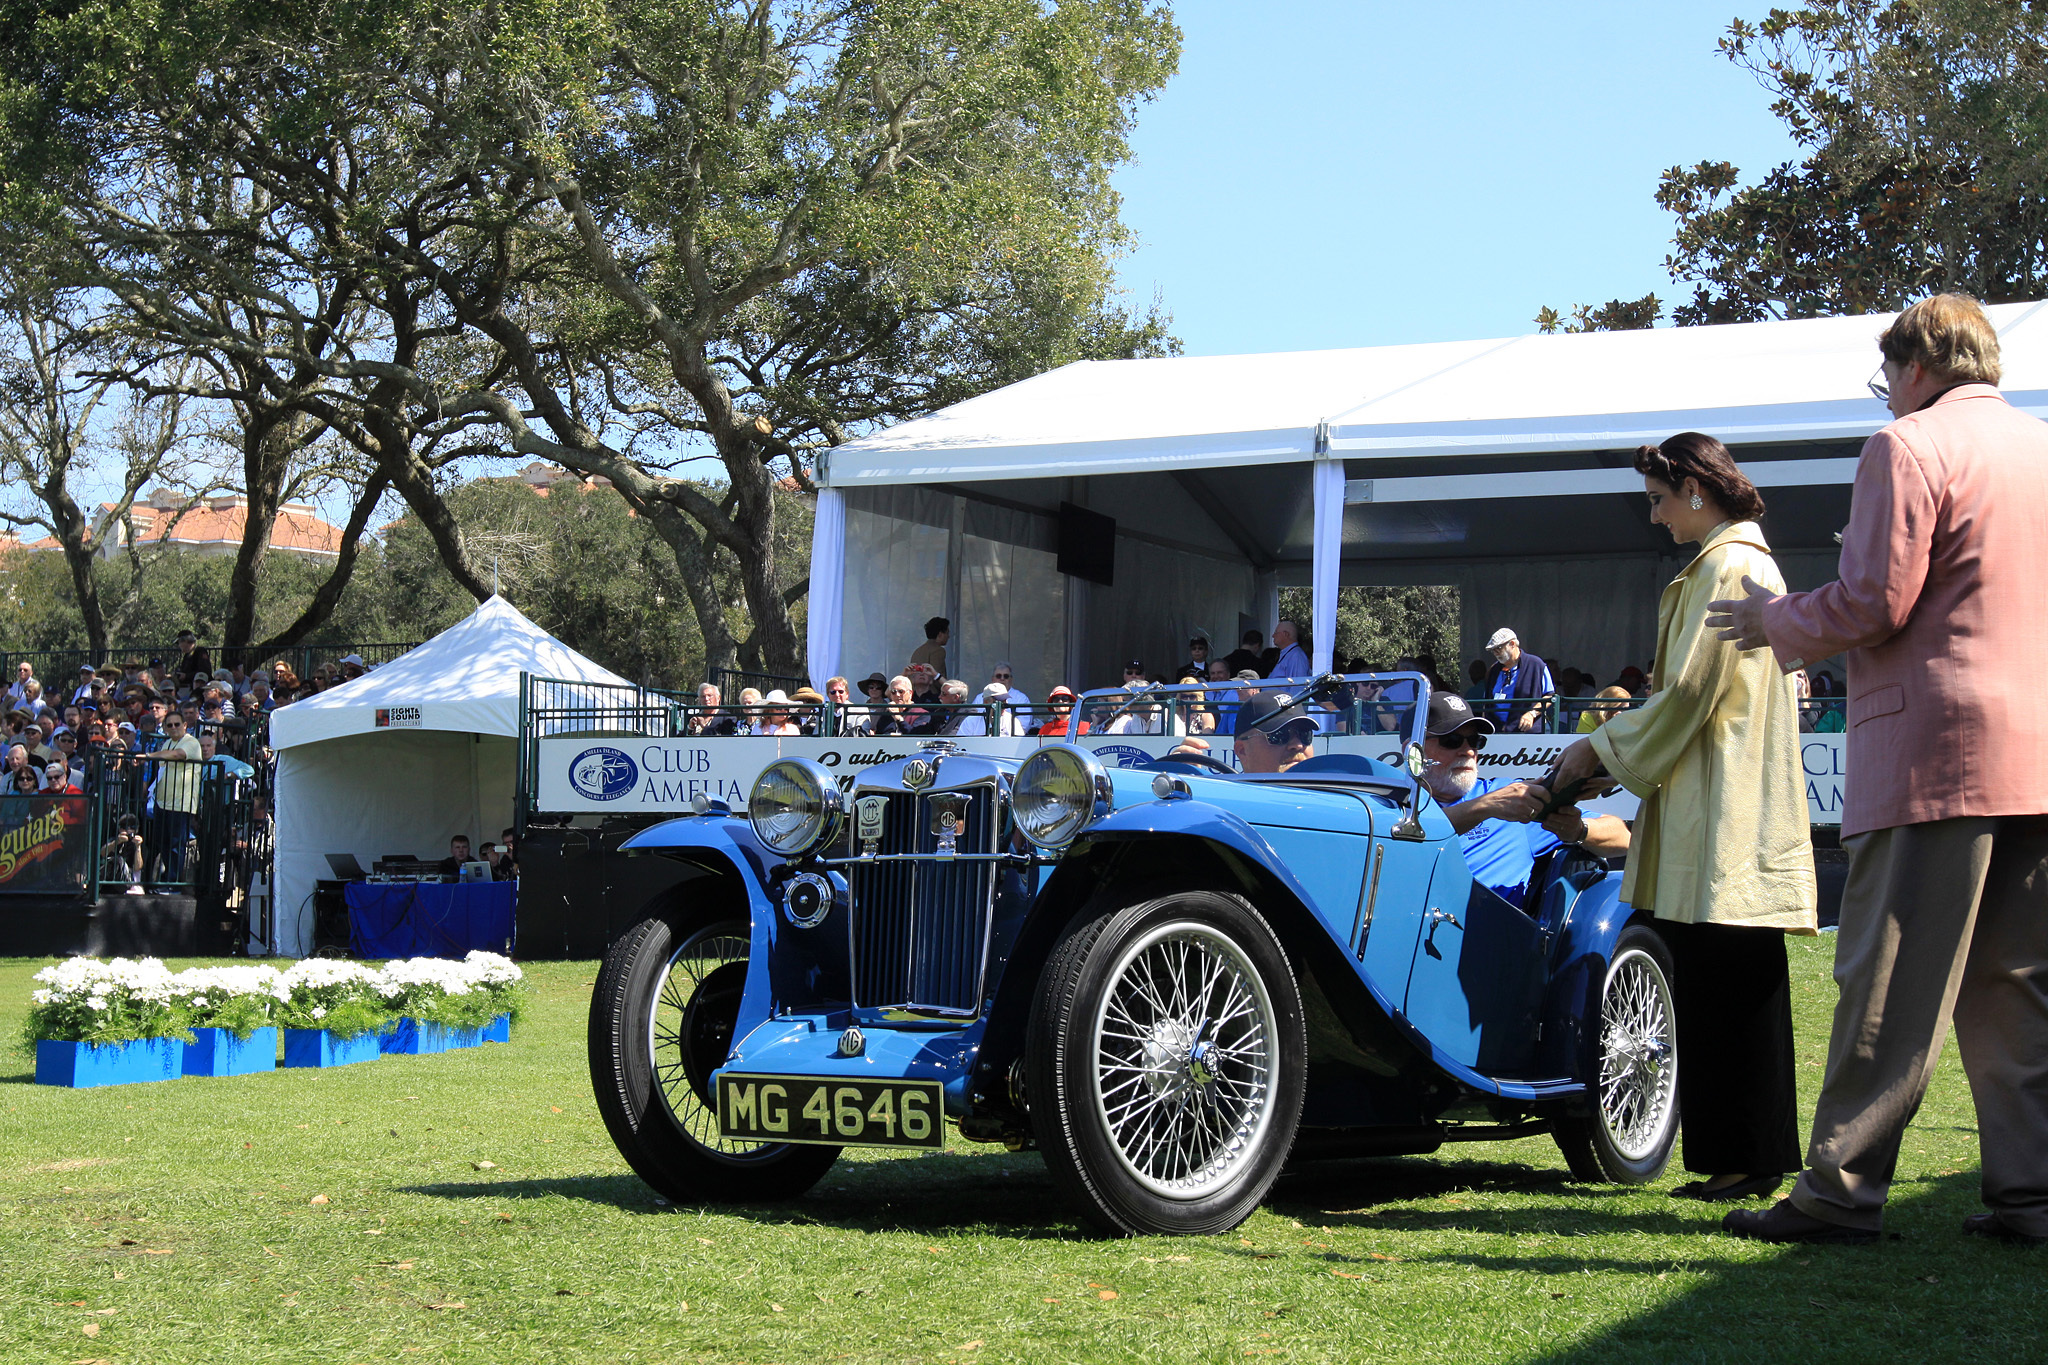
1087,545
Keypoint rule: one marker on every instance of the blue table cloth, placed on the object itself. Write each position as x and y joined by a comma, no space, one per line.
429,919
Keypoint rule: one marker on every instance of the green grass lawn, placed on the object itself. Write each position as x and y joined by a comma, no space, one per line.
177,1220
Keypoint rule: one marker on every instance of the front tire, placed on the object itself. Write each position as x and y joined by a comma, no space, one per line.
1164,1065
661,1021
1627,1139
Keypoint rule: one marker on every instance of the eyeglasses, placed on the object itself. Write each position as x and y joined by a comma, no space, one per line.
1000,677
1879,387
1294,732
1461,739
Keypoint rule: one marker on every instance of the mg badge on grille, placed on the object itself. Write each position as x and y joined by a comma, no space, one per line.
949,815
918,774
868,814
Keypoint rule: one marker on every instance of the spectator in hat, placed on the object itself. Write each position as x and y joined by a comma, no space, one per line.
1496,820
1273,735
1292,661
58,780
1516,676
892,717
1134,674
807,709
83,689
353,667
932,653
1198,657
193,658
774,716
1060,723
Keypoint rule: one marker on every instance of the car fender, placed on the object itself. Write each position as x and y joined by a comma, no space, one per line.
727,848
1578,964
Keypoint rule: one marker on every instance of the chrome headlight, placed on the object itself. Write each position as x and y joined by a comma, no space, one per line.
795,807
1058,792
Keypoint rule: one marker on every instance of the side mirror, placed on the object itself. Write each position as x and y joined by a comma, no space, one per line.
1408,827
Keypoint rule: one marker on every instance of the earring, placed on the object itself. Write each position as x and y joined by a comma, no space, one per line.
1696,503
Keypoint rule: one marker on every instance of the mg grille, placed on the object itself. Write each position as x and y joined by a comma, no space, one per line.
920,929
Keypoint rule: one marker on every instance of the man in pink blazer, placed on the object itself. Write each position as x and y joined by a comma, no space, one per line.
1944,574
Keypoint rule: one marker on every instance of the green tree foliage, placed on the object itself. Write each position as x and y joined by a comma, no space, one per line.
1924,128
1615,315
1381,625
617,234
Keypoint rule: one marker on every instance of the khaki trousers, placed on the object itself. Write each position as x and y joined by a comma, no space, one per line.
1939,920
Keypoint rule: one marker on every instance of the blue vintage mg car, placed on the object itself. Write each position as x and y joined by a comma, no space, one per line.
1168,980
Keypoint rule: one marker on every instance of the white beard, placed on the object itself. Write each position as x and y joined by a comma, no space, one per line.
1449,785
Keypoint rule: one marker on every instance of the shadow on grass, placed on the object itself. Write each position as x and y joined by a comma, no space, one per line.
995,1193
1379,1193
1925,1282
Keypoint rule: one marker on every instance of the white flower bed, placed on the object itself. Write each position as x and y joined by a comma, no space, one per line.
86,1000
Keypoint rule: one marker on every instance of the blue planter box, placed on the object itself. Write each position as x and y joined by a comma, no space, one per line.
318,1047
217,1052
499,1030
417,1038
80,1065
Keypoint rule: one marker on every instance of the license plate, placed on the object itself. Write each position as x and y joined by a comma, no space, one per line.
841,1112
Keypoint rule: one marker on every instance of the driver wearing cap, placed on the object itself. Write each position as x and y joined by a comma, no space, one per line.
1494,820
1273,734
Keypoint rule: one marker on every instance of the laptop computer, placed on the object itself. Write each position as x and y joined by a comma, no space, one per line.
474,871
345,867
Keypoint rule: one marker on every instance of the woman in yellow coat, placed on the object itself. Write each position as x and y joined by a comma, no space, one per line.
1720,853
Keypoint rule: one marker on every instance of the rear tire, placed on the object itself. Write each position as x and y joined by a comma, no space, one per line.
661,1021
1633,1071
1164,1062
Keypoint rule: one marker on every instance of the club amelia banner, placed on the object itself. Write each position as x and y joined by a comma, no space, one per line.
641,776
42,844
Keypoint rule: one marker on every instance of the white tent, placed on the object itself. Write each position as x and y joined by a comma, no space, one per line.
406,757
1501,467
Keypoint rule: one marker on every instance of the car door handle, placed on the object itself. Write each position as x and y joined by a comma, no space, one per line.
1437,917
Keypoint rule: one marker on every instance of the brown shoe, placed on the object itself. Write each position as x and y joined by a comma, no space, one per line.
1992,1226
1783,1222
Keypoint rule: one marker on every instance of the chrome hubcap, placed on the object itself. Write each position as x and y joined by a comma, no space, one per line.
1638,1055
1183,1047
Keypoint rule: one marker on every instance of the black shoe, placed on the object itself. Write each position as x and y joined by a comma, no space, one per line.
1783,1222
1741,1189
1992,1226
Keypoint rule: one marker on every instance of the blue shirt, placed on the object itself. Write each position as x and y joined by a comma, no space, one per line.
1502,854
1292,663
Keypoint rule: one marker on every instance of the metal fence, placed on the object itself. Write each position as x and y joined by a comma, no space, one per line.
730,682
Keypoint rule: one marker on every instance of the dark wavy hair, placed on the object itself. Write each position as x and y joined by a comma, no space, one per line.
1692,455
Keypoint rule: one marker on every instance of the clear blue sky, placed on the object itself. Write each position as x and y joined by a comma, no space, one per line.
1324,173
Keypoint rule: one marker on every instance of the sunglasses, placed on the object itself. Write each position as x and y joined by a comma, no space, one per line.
1459,739
1879,387
1295,732
1000,677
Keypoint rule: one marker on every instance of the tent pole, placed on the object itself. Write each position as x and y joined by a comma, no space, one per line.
1328,555
828,584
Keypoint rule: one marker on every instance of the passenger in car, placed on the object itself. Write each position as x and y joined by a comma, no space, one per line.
1496,822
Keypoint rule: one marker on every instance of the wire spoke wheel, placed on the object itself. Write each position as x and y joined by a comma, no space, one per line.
1638,1055
689,1032
1184,1058
1165,1064
1631,1071
662,1021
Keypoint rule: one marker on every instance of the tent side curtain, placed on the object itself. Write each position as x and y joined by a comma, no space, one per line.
914,553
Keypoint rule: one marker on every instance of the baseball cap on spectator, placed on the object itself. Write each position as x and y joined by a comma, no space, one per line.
1501,637
996,689
1134,666
874,682
87,668
1448,711
1066,692
1271,712
127,725
357,660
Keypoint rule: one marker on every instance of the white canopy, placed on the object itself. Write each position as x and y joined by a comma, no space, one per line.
1228,475
407,756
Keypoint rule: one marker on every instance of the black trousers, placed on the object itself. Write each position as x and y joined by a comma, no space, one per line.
1737,1095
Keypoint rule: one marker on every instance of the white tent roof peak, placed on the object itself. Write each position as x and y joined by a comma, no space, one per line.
1748,383
465,679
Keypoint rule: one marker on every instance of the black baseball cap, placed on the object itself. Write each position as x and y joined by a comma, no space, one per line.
1448,711
1271,712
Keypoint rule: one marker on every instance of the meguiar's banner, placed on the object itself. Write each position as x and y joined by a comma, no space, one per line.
43,845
